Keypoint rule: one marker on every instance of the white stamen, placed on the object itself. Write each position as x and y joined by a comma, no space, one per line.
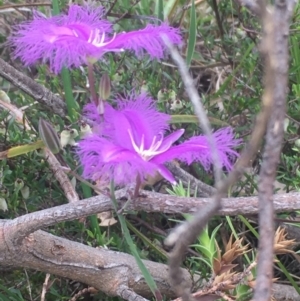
154,149
97,38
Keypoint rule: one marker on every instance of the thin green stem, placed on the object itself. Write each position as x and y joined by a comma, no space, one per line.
66,79
72,106
148,278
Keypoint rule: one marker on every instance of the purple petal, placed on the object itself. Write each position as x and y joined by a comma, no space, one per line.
90,112
169,140
60,40
198,149
166,174
102,158
137,114
147,40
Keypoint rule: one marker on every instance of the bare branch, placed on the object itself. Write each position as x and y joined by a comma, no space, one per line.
275,48
61,176
30,87
17,229
198,106
113,273
108,271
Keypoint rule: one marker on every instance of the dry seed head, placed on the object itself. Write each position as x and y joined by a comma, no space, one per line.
282,245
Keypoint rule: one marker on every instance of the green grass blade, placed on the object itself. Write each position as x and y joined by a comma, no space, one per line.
148,278
233,231
87,193
72,106
66,79
24,149
194,119
192,35
55,7
147,241
160,9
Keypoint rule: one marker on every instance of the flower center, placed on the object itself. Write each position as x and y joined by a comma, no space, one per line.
155,148
97,39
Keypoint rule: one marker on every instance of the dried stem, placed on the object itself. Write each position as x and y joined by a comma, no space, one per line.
275,49
92,84
45,287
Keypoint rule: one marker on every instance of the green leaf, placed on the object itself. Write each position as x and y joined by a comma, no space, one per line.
148,278
72,106
160,9
204,251
87,193
194,119
24,149
204,260
192,35
213,240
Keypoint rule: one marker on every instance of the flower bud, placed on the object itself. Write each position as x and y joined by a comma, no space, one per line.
117,78
73,133
85,129
65,137
176,105
4,96
297,143
172,95
104,87
161,95
3,204
144,87
19,184
49,136
4,193
25,192
286,124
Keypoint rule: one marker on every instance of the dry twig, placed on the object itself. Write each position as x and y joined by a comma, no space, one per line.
45,287
274,47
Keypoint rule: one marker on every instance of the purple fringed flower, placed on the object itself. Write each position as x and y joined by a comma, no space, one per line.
69,40
131,141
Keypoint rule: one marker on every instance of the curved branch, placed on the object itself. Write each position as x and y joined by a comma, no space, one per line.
108,271
17,229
